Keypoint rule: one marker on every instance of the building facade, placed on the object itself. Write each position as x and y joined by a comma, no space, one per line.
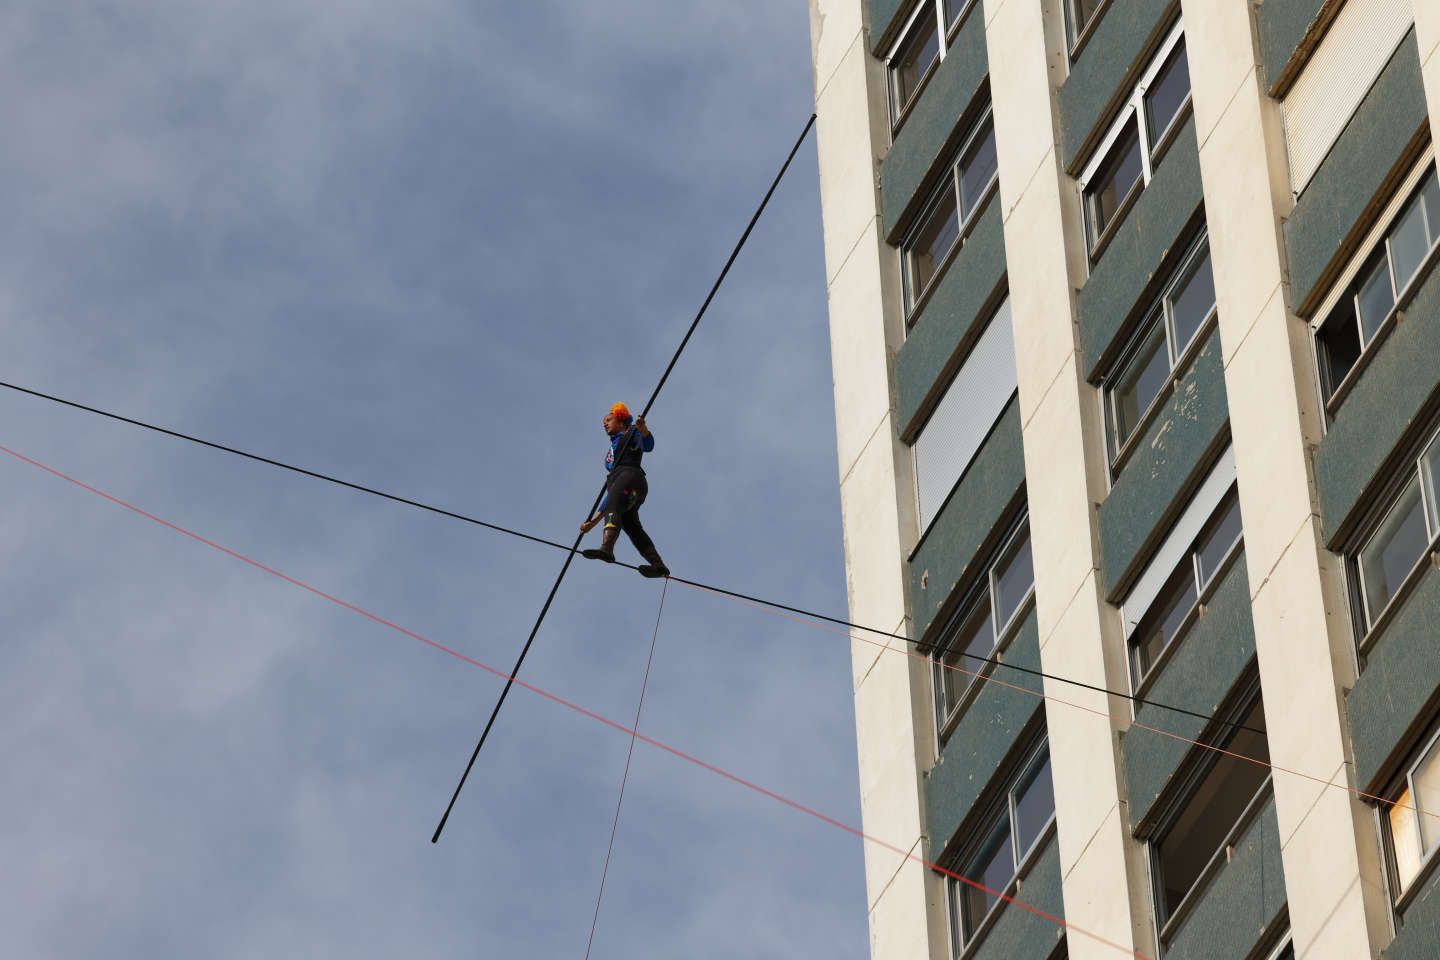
1136,341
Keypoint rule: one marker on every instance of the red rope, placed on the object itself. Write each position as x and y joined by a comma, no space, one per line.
625,777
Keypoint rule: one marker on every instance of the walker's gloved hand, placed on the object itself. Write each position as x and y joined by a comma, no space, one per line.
640,426
589,525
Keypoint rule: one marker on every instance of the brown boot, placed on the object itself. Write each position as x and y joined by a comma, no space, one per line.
654,567
606,551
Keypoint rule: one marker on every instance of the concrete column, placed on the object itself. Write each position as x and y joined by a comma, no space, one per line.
1427,36
894,729
1105,877
1305,646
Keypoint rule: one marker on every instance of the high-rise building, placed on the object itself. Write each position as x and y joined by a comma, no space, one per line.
1136,335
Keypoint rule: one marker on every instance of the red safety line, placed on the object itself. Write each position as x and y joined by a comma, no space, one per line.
557,699
625,777
990,678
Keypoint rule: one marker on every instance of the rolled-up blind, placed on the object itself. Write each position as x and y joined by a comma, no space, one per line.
972,403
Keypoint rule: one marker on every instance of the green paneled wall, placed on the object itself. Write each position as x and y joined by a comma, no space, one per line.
1354,170
1105,65
880,15
952,318
984,737
976,506
1140,245
1169,458
1203,669
1391,392
925,139
1282,25
1420,932
1401,675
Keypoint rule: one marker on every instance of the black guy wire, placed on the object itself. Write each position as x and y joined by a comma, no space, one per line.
980,661
624,442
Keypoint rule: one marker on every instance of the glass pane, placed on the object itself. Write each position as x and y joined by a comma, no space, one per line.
977,169
975,638
1034,805
1426,780
1215,544
1167,94
1191,301
1211,812
1139,382
1430,466
1404,840
1430,193
1393,550
1338,346
917,55
1014,576
1408,244
992,867
1376,297
937,234
953,9
1162,621
1080,13
1114,181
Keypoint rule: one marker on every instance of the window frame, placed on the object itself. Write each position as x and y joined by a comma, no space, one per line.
1152,147
982,591
1368,625
1159,312
914,299
1247,695
1075,40
1345,286
1401,898
1205,588
1001,809
900,112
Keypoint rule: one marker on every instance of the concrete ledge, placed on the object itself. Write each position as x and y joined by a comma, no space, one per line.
1142,243
1393,392
932,128
1200,673
1323,229
1167,462
988,731
967,520
952,319
1240,901
1107,67
1401,679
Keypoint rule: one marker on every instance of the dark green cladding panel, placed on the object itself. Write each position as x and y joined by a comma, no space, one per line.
966,520
1141,243
1282,25
1390,393
923,141
1109,62
986,734
1018,934
1240,901
952,318
1420,930
1204,668
1401,676
1166,461
880,14
1355,169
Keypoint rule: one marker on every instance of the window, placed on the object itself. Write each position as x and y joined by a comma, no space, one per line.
1285,950
964,416
1145,368
922,45
1412,821
1079,15
1207,820
984,625
950,212
1183,571
1127,156
1007,839
1402,538
1351,325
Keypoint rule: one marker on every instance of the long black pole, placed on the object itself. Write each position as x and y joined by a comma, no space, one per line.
624,443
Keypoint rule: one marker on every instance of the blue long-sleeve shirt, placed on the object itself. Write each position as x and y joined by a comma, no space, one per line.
644,444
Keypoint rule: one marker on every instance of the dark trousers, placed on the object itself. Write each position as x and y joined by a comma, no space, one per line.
625,493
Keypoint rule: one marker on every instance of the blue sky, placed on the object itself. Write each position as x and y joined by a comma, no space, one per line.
423,246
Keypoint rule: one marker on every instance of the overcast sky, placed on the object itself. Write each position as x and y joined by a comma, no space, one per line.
422,246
